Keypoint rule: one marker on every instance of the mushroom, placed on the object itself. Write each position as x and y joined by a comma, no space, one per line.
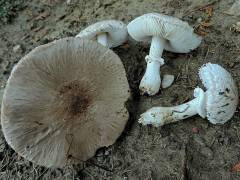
218,103
109,33
63,101
164,32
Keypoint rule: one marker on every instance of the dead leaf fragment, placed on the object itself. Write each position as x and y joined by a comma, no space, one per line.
125,46
236,167
206,24
201,32
208,10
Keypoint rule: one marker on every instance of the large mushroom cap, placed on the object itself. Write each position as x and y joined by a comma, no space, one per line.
116,31
222,93
63,101
179,35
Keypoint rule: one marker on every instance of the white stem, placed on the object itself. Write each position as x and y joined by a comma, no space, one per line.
157,47
159,116
102,39
150,83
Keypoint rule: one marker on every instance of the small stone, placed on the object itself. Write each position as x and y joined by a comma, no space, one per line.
17,49
199,20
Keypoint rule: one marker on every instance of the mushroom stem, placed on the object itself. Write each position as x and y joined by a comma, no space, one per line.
151,80
159,116
157,47
102,39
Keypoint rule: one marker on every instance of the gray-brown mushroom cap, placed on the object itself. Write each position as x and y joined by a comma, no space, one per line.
63,101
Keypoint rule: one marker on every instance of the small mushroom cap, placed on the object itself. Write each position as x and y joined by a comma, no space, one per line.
179,35
63,101
221,94
116,30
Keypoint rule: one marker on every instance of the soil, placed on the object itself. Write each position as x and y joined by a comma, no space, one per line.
192,149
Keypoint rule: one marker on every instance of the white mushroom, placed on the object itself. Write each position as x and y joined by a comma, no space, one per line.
164,32
109,33
218,103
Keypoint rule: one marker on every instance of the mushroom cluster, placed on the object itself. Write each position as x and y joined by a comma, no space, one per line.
66,99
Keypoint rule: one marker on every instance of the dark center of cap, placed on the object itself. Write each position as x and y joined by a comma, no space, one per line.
75,99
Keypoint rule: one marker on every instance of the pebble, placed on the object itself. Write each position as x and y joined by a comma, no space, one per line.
199,20
17,49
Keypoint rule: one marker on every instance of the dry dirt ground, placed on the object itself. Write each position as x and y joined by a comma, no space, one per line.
192,149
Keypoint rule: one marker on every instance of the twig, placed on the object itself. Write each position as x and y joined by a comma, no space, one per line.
187,72
206,55
212,142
